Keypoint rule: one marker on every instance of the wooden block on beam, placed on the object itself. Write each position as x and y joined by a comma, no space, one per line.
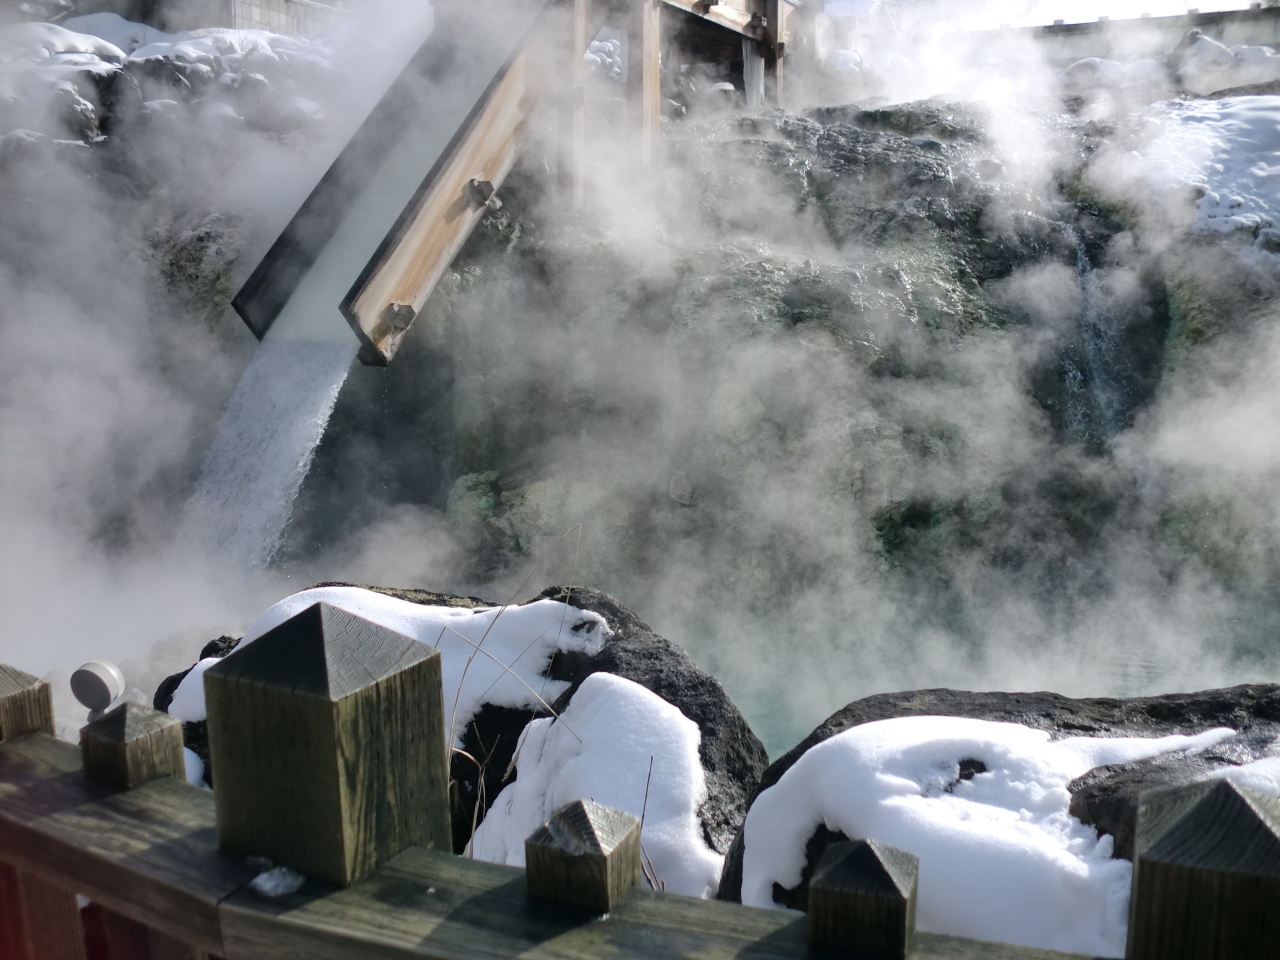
327,734
862,899
38,921
132,745
587,855
1206,876
26,704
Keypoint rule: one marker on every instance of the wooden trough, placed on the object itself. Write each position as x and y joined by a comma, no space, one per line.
310,774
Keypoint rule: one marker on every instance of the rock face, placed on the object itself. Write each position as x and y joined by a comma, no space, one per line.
732,756
1105,797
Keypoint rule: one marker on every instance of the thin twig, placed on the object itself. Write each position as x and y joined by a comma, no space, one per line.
646,862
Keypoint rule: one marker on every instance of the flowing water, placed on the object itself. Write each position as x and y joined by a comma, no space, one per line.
263,447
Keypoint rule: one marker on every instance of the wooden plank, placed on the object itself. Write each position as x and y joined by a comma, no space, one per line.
863,897
150,854
723,15
40,920
774,41
427,904
578,106
431,231
326,735
644,75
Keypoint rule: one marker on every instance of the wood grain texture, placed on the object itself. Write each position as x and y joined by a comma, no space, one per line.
427,904
586,855
862,898
327,735
132,745
150,853
644,77
38,920
129,940
26,704
439,219
1206,881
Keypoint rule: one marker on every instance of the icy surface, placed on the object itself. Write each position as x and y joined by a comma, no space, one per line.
477,647
600,749
1001,858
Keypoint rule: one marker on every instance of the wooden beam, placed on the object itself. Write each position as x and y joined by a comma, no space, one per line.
862,899
644,75
403,272
38,920
150,854
773,48
327,738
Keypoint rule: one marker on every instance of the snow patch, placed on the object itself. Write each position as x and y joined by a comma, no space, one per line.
600,749
1001,857
476,646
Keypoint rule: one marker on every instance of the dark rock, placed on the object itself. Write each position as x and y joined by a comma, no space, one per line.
732,756
1105,797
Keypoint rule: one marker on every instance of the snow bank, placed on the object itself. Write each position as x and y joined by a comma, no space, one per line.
1001,858
600,749
477,646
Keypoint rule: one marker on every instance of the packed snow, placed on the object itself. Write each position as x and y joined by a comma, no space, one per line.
600,749
1001,857
495,655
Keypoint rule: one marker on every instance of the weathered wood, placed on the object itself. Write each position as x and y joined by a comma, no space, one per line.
578,106
862,898
586,855
644,76
1206,878
327,735
773,48
132,745
150,853
722,15
428,904
26,704
38,921
130,940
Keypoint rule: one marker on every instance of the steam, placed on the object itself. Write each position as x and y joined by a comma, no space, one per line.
882,494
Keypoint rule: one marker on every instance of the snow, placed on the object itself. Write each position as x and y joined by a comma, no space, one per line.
1261,775
193,766
1001,857
600,749
476,645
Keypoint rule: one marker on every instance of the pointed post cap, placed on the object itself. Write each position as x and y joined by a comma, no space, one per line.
586,855
862,898
1215,825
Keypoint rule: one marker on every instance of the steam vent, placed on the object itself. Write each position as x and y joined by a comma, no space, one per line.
639,478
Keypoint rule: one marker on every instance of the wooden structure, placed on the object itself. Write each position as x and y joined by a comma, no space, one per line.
862,898
586,855
1206,883
151,856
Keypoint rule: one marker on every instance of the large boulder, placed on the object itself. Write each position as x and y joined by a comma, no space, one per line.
732,756
1105,797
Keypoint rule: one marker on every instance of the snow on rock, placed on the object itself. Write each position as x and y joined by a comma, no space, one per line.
477,647
600,749
1001,857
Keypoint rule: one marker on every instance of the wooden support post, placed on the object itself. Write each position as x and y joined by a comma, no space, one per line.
578,107
327,736
122,750
587,855
132,745
644,75
1206,875
862,899
774,45
38,921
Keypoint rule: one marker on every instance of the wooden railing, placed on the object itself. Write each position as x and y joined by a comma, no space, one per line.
329,755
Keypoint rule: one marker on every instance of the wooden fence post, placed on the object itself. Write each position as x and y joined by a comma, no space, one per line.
38,921
774,45
326,736
862,899
587,855
1206,875
122,750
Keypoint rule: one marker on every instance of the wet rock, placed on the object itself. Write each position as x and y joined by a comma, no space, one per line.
1105,797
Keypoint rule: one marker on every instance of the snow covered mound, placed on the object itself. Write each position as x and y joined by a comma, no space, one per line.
983,804
601,748
76,79
495,655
